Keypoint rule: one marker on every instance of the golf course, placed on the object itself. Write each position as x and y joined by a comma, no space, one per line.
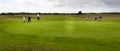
60,33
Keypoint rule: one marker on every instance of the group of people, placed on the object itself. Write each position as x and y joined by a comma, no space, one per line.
87,18
29,18
94,18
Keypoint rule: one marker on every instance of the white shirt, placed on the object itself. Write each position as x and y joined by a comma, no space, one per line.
38,15
24,18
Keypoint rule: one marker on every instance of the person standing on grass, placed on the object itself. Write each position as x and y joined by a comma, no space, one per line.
29,19
38,17
87,18
24,18
100,18
95,18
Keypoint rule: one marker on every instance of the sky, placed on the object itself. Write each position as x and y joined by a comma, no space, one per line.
61,6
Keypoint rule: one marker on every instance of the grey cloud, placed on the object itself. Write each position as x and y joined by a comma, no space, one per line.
87,3
112,3
79,3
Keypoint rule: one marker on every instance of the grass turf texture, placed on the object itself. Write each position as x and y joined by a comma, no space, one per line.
60,33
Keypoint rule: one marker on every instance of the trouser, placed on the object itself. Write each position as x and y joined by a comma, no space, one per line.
29,21
38,18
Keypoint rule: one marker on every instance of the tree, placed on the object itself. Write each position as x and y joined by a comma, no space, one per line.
80,13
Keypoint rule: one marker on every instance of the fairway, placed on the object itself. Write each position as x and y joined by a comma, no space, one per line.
60,33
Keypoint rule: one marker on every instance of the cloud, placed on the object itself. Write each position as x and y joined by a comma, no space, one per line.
87,3
78,3
112,3
59,5
90,5
25,6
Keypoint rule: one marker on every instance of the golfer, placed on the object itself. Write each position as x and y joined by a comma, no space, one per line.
87,18
38,17
100,18
29,19
95,18
24,18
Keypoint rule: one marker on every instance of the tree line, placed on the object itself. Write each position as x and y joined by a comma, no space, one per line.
26,13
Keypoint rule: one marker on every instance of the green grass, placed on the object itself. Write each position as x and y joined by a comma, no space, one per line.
60,33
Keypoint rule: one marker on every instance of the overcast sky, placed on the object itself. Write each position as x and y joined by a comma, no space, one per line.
66,6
